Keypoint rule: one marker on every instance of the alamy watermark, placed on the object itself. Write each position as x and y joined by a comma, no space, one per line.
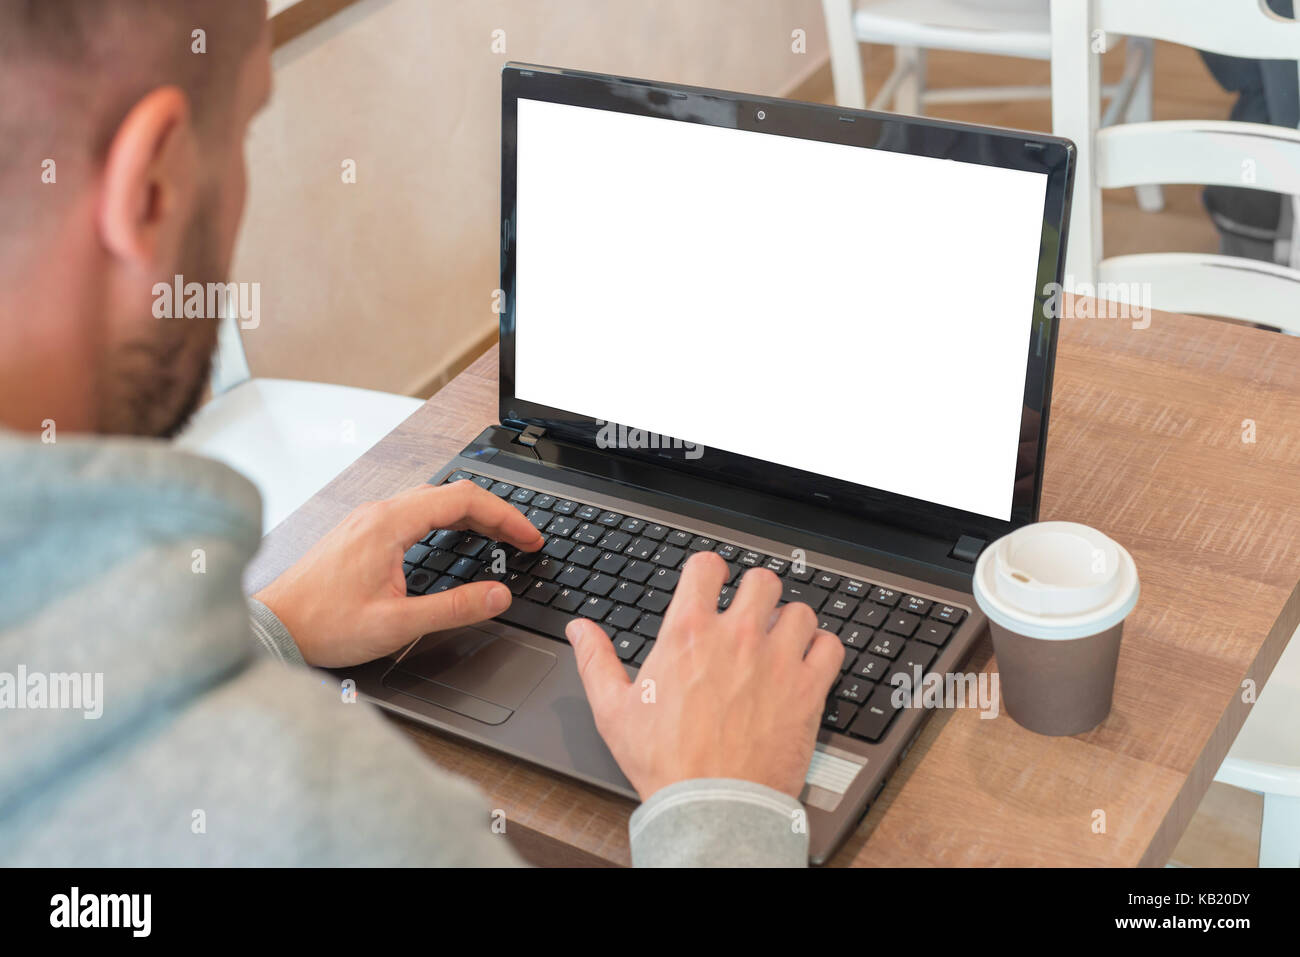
179,299
614,436
57,691
952,690
1102,300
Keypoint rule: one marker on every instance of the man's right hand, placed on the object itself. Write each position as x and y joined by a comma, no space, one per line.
734,695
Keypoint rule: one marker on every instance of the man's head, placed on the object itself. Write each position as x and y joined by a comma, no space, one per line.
121,166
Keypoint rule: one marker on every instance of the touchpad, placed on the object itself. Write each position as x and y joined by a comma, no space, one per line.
473,672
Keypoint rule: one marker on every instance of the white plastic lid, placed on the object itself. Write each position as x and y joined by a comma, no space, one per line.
1056,580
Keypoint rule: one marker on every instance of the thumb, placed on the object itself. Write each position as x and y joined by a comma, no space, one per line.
454,608
601,672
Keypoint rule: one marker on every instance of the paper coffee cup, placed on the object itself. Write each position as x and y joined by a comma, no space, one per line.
1056,595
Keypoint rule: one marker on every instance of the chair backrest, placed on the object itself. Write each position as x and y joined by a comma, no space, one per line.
1187,151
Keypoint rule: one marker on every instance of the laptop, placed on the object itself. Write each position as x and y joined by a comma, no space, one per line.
810,339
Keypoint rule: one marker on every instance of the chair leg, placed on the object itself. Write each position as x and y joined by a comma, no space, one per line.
1279,834
907,98
1150,197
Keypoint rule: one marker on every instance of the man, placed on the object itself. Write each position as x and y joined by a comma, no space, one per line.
121,166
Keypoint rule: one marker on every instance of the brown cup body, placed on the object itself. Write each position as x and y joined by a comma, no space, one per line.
1057,687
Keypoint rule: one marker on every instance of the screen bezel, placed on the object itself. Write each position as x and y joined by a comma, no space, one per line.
897,133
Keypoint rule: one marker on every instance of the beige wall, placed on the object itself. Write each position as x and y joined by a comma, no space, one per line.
382,283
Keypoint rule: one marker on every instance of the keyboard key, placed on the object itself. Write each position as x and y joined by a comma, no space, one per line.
701,544
614,541
655,601
588,513
482,481
459,476
568,599
934,632
828,624
678,539
584,556
599,584
648,626
669,556
887,646
471,545
558,548
546,569
627,645
416,553
610,519
914,605
854,689
520,560
622,617
564,507
901,623
573,576
439,561
871,667
627,592
751,559
778,565
915,654
949,614
562,526
884,596
589,533
544,501
724,597
632,526
637,571
442,584
655,532
522,495
502,489
841,606
446,539
854,588
419,580
540,518
826,580
665,579
641,548
874,717
729,553
610,563
871,615
596,608
534,617
802,573
850,658
644,652
857,636
464,568
541,592
517,582
839,714
795,591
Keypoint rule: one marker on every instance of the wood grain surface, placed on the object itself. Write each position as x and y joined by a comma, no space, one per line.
1147,442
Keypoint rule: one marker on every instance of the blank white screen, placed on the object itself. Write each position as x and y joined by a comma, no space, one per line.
852,312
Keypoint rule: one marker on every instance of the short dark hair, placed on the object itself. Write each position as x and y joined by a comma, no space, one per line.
71,70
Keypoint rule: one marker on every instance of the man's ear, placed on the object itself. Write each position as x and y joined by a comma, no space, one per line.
150,179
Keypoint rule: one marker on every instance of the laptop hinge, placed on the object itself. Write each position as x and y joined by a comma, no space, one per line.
530,435
968,548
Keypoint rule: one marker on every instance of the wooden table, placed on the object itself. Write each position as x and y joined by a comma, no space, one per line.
1146,443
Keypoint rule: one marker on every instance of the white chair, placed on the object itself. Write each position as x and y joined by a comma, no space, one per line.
1014,28
1265,757
1204,152
290,438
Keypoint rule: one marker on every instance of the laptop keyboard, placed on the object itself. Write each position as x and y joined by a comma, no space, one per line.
620,571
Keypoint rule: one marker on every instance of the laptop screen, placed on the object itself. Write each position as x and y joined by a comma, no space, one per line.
769,296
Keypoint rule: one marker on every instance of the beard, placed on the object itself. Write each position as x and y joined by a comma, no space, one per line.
153,384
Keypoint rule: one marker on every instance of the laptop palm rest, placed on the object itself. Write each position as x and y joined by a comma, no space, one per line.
473,672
